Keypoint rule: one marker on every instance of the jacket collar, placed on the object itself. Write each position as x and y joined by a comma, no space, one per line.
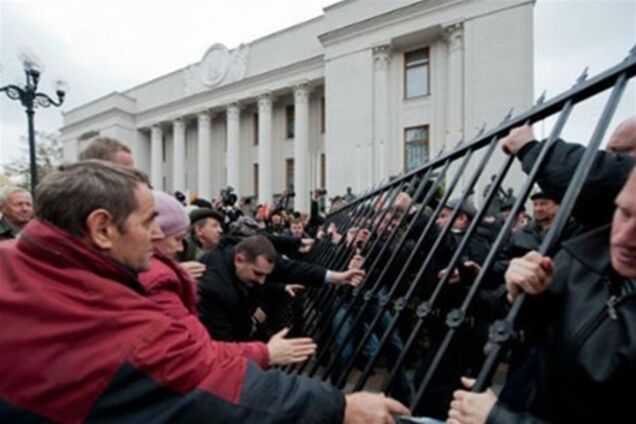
50,243
592,249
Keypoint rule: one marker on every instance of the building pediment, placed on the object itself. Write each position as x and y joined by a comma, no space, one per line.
218,66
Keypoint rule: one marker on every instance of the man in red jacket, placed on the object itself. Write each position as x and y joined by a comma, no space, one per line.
82,342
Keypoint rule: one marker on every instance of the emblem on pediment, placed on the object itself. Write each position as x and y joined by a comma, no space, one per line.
218,66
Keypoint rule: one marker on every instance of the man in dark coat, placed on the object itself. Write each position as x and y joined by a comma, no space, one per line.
228,290
586,320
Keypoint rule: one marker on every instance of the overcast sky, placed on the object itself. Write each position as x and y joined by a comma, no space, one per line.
106,46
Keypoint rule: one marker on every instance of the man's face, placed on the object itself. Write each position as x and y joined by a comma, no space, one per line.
18,208
133,246
252,273
623,239
297,229
210,234
544,210
461,221
277,220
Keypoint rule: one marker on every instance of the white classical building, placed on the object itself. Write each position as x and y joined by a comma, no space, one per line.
367,90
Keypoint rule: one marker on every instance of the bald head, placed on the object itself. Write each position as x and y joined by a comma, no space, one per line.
623,139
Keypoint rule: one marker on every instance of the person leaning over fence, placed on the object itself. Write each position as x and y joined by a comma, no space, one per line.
229,288
584,320
99,349
584,307
172,288
595,205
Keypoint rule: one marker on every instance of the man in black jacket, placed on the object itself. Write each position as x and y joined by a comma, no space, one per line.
584,321
228,290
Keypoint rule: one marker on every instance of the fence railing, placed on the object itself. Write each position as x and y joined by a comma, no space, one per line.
403,230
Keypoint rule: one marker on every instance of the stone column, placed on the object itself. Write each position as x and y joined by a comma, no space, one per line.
265,148
302,165
156,159
178,158
233,146
454,35
381,130
204,162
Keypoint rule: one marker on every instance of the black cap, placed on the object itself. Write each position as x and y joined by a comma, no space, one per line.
202,213
202,203
545,195
466,207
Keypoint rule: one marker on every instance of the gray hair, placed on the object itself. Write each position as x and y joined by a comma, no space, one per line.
8,191
103,148
66,197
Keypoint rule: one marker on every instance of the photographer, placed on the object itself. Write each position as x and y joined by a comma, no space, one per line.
228,205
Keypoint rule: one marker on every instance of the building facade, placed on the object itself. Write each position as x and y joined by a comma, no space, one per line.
367,90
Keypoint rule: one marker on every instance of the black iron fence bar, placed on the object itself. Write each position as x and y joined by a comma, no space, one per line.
424,233
425,308
368,294
345,251
498,338
317,310
359,290
424,267
455,317
336,252
377,218
370,270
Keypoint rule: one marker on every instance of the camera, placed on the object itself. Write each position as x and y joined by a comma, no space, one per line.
229,197
321,192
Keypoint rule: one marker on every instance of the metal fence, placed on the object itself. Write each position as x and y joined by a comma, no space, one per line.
407,314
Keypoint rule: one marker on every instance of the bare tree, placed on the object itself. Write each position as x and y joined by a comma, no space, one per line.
49,154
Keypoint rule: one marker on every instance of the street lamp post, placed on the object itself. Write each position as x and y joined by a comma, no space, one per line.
30,99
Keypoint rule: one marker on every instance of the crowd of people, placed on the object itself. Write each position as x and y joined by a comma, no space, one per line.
140,305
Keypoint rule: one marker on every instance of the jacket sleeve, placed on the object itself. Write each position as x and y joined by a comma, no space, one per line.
595,205
291,271
204,386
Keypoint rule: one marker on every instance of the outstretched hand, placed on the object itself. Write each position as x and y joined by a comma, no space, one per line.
284,351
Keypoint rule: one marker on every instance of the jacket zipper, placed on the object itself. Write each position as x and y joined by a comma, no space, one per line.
608,311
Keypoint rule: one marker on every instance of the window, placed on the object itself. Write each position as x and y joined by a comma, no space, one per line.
415,147
323,170
416,75
322,115
255,171
289,174
289,121
256,129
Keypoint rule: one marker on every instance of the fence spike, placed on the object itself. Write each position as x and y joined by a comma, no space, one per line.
508,115
581,79
541,98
